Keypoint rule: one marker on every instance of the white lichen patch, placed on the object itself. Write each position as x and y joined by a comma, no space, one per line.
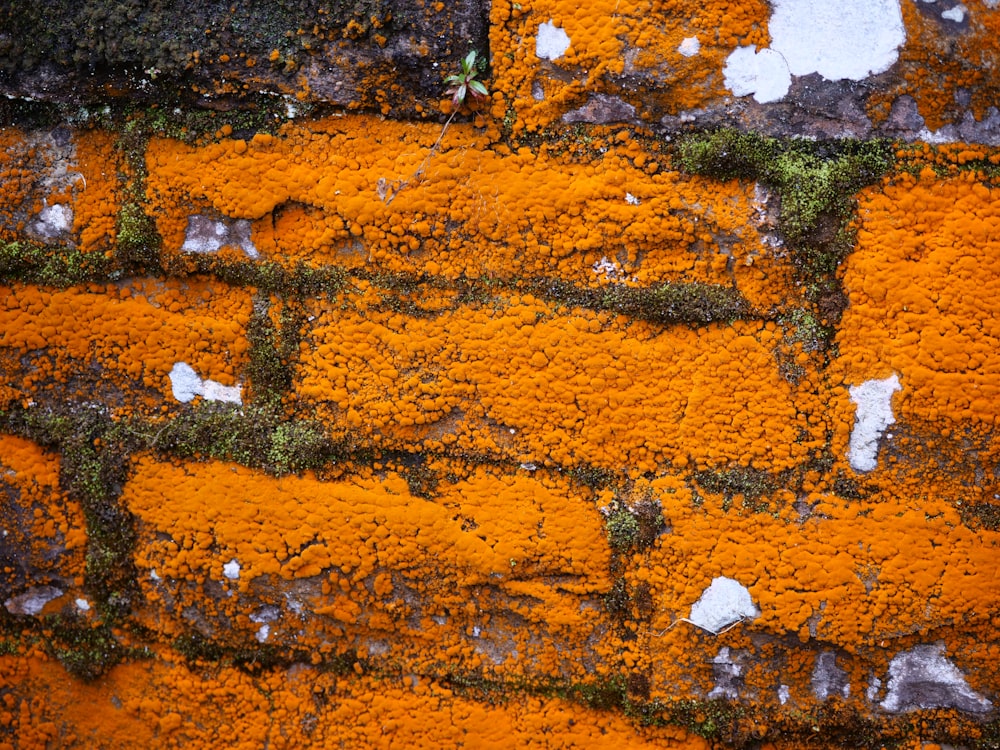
551,42
852,40
32,601
923,678
956,14
873,415
231,570
690,46
849,39
723,603
52,223
763,74
206,235
727,672
186,384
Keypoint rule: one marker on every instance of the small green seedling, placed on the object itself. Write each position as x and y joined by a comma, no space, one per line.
460,85
465,82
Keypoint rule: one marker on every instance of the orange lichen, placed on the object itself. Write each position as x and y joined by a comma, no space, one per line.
44,537
923,285
106,337
498,433
527,381
946,66
159,704
96,203
612,41
863,579
429,579
313,195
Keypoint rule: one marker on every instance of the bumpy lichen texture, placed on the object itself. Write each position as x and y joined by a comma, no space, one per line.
44,534
612,211
59,186
522,380
681,46
108,339
947,63
363,564
849,575
923,285
162,704
531,451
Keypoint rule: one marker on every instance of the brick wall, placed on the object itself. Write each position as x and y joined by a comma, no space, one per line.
587,430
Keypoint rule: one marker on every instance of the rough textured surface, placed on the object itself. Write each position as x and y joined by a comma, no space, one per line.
559,422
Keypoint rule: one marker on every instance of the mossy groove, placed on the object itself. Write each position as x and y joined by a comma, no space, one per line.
817,182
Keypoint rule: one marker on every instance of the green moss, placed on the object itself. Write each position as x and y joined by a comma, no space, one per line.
814,178
86,651
666,304
817,181
256,658
711,719
739,480
297,281
677,302
804,327
268,368
298,446
622,529
752,486
51,265
594,477
138,243
93,467
254,436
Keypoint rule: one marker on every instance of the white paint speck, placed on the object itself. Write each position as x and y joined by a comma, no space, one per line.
154,576
690,46
763,74
873,415
956,14
632,200
724,602
847,39
83,605
551,42
185,385
263,632
231,570
784,693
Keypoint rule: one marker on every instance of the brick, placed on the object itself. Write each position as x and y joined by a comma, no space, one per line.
119,343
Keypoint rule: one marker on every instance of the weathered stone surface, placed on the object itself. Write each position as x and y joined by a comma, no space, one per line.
389,54
42,532
788,68
924,678
390,431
